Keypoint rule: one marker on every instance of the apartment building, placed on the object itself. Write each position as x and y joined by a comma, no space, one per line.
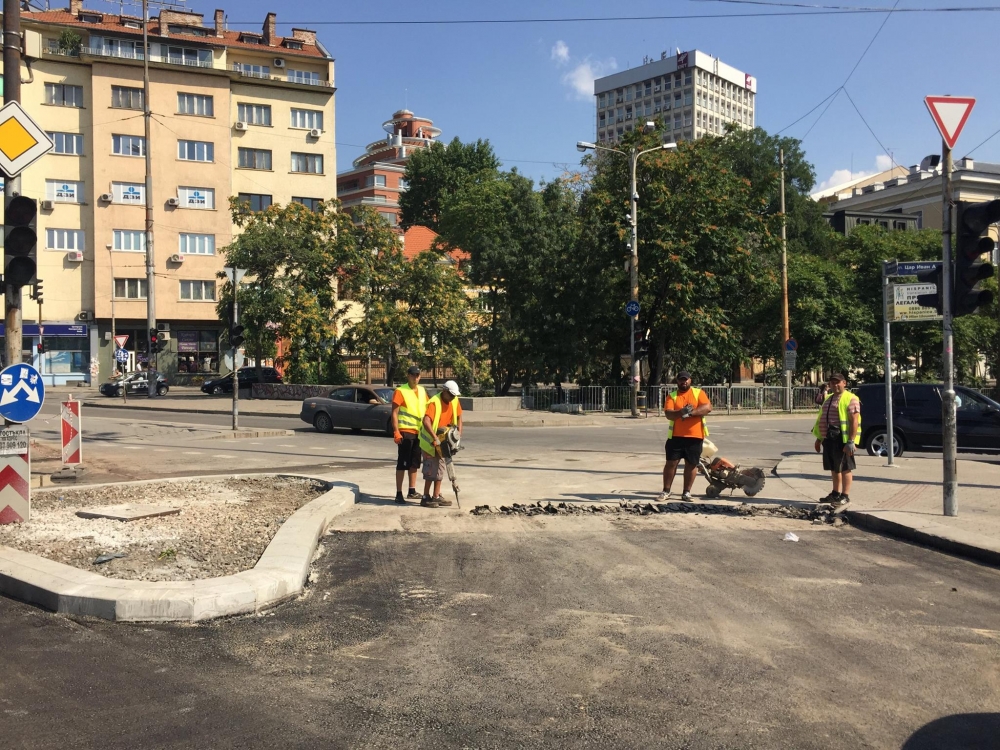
376,178
691,94
235,113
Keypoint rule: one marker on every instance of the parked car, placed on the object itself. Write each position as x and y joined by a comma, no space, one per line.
247,376
136,382
357,407
916,414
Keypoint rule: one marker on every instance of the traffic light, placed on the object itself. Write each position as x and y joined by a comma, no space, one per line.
41,347
934,299
36,291
161,344
236,337
641,340
973,219
154,340
20,250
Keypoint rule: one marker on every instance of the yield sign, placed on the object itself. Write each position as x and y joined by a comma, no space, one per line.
950,114
120,341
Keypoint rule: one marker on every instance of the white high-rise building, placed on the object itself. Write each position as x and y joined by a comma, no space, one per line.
691,93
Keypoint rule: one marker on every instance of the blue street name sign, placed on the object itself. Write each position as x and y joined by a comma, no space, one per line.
791,345
910,268
22,393
632,308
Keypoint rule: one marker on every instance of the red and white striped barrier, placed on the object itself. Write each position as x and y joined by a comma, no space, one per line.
15,488
72,442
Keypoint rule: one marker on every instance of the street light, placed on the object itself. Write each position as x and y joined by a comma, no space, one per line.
633,156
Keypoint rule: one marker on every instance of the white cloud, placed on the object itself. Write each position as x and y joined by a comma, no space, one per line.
883,162
560,52
581,78
840,176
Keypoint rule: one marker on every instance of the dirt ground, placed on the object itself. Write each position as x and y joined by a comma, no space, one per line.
223,527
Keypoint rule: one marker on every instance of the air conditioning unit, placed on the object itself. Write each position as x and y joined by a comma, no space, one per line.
240,126
315,133
173,202
163,335
106,197
75,256
176,258
279,63
47,205
161,327
85,315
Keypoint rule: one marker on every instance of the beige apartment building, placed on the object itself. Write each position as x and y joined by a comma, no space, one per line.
235,113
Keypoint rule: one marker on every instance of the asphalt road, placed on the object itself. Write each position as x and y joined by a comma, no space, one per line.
667,632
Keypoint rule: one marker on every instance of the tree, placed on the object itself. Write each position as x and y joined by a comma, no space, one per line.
434,175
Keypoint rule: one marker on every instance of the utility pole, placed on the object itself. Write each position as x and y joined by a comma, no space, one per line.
633,196
12,185
785,329
948,415
147,117
236,369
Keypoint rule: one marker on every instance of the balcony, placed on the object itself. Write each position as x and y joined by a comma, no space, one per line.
242,72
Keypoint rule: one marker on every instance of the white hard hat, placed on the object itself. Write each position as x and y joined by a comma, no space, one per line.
452,387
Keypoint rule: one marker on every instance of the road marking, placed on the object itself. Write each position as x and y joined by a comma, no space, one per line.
348,450
132,447
222,455
192,453
286,445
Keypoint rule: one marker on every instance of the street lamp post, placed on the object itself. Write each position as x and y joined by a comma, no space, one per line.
633,155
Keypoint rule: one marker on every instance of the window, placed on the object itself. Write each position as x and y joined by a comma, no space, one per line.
196,197
65,239
198,291
130,240
201,58
310,163
192,30
64,192
375,180
254,158
257,71
255,201
403,184
125,48
302,76
63,95
196,244
254,114
67,143
195,151
198,351
313,204
307,118
125,97
343,394
195,104
390,219
248,38
293,45
130,288
128,145
970,401
129,193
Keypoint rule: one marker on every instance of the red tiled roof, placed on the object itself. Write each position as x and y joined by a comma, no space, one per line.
113,23
421,239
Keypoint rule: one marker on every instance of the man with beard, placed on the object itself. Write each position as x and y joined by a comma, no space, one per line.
686,408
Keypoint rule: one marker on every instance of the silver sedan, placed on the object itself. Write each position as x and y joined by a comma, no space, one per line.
354,407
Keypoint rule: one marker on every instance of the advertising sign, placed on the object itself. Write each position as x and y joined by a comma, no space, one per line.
903,305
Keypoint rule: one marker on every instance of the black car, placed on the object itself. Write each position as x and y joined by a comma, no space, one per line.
916,415
247,375
137,383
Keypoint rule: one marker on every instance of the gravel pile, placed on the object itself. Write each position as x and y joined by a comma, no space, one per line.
223,527
817,514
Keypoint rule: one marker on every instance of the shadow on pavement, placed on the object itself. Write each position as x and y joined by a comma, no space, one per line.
957,732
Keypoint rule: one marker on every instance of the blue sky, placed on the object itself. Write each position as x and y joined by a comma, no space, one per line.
526,87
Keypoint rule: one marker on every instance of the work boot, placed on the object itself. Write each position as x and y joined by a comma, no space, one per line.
841,501
428,502
440,500
833,498
399,498
413,494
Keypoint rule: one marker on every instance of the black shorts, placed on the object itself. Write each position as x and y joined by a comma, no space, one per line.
688,448
408,457
835,458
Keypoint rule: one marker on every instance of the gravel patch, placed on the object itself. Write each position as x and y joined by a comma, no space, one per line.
223,528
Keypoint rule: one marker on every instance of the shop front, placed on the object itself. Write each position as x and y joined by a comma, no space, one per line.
191,352
59,351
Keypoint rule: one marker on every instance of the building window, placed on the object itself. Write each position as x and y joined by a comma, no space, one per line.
193,31
125,97
129,193
254,114
255,201
130,288
257,71
198,351
302,76
293,45
198,291
196,104
67,143
124,48
65,239
128,145
309,163
687,98
254,158
313,204
375,180
201,58
195,151
309,119
63,95
196,244
64,192
196,197
130,240
390,219
403,184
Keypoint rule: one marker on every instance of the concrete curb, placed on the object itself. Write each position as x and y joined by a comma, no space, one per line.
787,471
279,574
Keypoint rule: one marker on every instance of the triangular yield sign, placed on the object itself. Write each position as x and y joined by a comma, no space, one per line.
950,114
120,341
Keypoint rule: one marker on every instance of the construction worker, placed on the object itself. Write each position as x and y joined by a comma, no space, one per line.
409,403
442,410
838,433
686,409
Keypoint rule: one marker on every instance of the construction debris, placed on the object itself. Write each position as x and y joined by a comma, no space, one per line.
817,514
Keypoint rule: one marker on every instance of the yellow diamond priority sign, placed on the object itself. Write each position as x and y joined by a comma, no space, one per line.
21,140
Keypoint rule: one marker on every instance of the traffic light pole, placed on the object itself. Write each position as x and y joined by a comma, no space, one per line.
12,185
786,332
948,415
633,162
150,257
236,370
